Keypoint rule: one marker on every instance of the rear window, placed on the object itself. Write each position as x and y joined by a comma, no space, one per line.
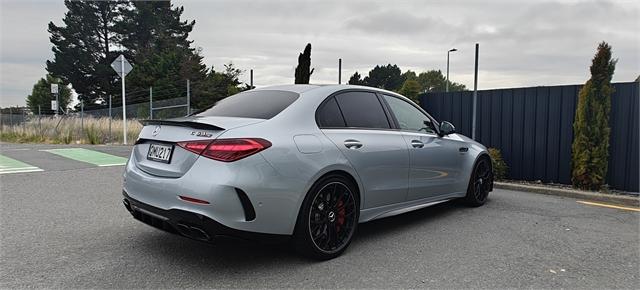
252,104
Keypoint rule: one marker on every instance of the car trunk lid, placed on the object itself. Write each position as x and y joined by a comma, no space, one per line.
165,134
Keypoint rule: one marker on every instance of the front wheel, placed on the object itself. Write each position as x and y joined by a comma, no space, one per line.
480,183
328,218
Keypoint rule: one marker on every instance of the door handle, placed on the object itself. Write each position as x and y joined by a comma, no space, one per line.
417,144
352,144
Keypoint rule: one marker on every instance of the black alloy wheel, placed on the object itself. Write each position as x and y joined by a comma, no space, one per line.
328,218
480,183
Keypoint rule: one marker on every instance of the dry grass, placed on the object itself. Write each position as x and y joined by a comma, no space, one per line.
69,130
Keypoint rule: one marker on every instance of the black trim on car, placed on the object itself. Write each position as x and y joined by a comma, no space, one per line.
189,224
393,122
249,211
387,110
181,123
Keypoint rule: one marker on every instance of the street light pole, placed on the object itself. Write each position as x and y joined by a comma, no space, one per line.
475,95
447,81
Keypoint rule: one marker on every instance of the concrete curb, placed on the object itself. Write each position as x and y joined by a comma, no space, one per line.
579,194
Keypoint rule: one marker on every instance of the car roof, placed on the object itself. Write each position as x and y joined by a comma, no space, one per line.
301,88
289,88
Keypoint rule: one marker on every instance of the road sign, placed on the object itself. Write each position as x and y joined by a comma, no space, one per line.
54,105
54,88
121,65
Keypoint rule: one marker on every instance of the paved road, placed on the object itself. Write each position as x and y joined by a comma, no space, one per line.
65,227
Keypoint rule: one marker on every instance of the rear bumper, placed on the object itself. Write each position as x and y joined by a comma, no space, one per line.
189,224
246,195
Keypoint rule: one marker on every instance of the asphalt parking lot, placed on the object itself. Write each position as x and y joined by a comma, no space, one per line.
64,226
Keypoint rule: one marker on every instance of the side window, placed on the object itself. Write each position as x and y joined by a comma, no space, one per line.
329,115
362,110
409,118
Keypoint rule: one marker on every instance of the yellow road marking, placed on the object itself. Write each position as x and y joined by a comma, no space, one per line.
609,205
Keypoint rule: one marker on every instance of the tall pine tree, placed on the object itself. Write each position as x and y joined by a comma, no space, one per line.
356,79
386,77
154,39
156,42
152,26
591,130
83,47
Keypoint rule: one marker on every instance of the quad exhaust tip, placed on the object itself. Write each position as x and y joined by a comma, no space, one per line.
193,232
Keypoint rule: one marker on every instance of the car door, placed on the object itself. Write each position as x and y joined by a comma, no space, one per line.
435,161
360,127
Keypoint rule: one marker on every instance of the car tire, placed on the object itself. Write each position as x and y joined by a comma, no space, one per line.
480,183
328,218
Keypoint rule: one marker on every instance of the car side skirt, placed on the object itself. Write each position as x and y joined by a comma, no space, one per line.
404,207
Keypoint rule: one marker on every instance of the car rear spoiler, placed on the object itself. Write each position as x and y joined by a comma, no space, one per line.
181,123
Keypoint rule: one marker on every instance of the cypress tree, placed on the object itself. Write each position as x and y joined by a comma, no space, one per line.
303,72
590,149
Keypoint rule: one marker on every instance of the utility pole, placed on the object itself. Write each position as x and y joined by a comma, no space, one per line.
447,81
110,117
475,95
39,119
82,116
150,102
251,78
339,71
188,98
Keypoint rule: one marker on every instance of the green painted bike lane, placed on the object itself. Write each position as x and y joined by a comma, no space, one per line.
10,165
89,156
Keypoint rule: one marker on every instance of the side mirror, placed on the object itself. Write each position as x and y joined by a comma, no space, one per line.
446,128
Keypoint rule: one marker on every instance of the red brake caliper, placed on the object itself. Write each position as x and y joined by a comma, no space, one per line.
341,216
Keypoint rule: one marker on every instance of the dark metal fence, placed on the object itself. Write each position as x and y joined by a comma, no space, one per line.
533,128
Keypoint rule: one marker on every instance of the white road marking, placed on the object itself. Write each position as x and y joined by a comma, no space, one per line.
111,164
21,170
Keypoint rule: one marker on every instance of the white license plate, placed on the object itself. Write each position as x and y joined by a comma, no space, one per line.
160,153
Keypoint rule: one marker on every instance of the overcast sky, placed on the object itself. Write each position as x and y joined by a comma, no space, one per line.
522,43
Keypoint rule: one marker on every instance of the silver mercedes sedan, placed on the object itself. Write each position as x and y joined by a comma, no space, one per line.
304,163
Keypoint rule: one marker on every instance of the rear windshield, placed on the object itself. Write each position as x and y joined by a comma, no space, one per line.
252,104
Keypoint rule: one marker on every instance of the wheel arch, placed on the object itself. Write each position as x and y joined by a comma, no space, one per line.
483,155
343,173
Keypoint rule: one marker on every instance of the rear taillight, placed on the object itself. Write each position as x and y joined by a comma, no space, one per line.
195,146
226,150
